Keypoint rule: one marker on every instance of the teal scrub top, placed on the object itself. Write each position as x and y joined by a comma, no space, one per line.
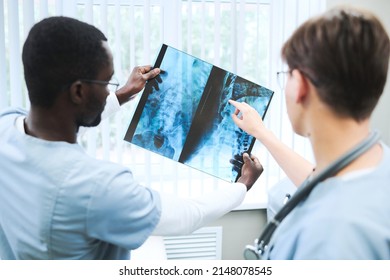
345,217
59,203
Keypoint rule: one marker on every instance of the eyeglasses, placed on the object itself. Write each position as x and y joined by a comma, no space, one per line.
112,86
282,79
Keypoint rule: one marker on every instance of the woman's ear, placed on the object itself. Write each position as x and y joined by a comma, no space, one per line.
76,92
301,85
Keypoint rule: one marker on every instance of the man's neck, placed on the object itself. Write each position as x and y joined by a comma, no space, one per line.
51,125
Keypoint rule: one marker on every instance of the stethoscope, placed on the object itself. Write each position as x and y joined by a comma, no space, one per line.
255,252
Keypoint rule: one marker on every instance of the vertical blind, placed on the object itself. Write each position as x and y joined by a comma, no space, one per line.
241,36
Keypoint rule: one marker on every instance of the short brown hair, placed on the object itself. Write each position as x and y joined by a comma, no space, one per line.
345,54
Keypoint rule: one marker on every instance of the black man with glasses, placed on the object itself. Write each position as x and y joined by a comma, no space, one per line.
56,201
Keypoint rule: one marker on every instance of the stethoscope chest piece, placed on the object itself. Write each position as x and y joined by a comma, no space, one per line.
255,252
251,252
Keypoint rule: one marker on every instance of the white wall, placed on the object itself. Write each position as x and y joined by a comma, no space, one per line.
240,228
381,8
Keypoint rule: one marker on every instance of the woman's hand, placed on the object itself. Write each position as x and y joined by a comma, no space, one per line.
248,119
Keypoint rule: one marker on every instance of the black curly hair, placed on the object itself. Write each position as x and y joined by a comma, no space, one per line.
58,51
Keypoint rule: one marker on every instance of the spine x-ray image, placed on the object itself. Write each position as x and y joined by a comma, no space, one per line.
184,114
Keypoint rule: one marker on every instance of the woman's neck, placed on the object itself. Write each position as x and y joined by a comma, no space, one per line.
333,138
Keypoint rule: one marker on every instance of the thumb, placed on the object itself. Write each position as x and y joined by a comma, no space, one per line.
246,158
151,74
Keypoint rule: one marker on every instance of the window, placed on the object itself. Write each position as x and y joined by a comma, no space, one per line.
242,36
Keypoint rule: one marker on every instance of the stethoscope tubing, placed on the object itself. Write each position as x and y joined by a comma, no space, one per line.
304,190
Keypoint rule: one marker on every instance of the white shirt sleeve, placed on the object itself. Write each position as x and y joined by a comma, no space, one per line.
112,106
183,216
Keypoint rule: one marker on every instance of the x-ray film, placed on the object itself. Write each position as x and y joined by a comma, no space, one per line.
184,114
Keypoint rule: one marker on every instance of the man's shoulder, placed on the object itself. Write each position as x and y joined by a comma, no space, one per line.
12,111
8,116
99,171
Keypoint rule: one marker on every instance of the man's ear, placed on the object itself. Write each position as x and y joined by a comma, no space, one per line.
301,84
76,92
